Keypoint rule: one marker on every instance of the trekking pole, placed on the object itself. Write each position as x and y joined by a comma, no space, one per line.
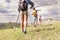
17,18
16,22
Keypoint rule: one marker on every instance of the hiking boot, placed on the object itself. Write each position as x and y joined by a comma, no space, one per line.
34,25
25,32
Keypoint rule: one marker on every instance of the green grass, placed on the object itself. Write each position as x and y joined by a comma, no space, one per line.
41,32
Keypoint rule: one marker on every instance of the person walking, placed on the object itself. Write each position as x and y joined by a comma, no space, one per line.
23,6
40,20
35,16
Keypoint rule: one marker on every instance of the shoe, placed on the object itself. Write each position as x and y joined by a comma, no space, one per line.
34,26
25,32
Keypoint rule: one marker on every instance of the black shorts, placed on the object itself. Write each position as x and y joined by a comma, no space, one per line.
23,9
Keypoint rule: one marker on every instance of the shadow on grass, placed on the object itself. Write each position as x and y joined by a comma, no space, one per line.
48,25
7,28
38,30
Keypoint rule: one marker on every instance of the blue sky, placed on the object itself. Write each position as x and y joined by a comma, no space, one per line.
8,10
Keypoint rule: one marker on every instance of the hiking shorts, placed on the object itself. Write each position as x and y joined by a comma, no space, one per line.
24,13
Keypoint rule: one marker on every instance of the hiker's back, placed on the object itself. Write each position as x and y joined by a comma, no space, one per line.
34,13
23,5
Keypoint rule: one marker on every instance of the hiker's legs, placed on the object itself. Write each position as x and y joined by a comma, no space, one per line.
35,21
40,21
24,21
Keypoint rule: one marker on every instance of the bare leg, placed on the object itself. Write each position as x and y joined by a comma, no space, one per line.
35,21
22,22
25,21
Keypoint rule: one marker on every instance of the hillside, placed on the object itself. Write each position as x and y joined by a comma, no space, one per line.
41,32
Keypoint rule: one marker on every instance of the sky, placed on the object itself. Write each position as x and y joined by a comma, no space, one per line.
48,8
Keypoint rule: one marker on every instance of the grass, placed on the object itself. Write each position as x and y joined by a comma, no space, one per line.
41,32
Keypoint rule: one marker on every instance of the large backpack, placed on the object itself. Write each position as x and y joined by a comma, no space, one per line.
23,5
34,13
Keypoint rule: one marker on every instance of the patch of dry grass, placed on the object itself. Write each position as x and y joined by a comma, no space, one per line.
41,32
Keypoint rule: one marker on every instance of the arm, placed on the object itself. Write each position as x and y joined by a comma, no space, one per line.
31,3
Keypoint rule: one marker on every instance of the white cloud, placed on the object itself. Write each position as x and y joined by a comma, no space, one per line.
11,8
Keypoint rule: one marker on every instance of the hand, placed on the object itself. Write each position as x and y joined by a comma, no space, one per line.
30,7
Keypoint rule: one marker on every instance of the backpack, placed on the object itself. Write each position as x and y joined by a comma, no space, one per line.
34,13
23,5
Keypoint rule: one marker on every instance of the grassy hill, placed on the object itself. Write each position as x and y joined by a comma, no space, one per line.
41,32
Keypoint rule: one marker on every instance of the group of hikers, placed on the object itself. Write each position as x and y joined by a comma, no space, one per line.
23,6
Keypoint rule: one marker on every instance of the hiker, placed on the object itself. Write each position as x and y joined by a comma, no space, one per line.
40,20
23,6
35,16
